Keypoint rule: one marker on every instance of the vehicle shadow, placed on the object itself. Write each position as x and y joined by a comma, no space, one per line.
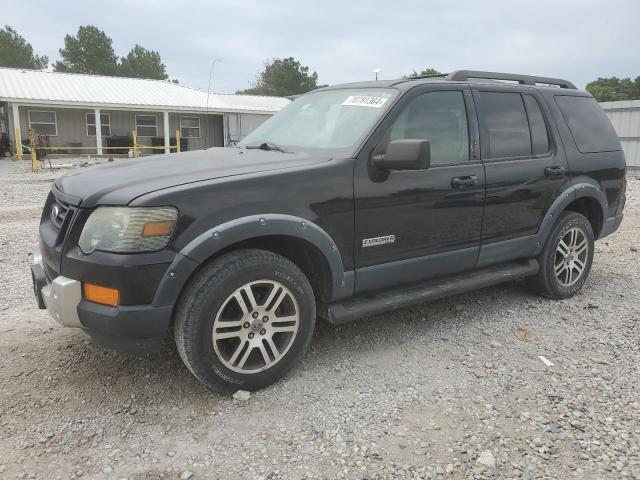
107,382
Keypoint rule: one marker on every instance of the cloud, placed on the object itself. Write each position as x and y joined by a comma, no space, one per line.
344,41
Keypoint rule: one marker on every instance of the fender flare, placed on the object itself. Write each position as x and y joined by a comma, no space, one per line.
207,244
579,188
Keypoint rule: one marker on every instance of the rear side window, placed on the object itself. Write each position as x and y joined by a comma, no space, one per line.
539,135
591,129
506,121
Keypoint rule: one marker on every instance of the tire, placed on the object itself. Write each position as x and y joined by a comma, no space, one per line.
569,259
245,295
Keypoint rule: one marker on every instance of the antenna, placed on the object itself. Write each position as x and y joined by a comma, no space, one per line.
376,71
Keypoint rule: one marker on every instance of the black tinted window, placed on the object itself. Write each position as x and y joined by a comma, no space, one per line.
589,125
439,117
539,136
506,122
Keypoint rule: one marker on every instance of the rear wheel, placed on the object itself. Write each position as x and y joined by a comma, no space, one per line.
566,259
244,320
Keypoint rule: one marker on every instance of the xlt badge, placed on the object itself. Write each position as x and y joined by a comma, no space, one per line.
375,241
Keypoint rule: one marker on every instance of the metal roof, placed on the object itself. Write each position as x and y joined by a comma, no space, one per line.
621,105
70,89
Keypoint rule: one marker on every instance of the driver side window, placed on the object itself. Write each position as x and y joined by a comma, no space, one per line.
439,117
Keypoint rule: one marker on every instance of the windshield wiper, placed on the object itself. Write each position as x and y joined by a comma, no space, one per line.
269,146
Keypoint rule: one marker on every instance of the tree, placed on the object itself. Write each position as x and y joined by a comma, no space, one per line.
16,52
425,72
143,63
283,77
90,51
612,89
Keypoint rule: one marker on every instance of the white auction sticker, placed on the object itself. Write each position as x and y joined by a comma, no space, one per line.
364,101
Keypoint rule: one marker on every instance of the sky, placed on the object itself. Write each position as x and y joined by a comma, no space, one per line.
344,41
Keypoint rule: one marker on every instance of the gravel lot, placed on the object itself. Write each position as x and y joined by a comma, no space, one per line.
444,390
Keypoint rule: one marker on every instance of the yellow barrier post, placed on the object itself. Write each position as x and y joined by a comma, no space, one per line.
135,143
18,144
34,158
178,140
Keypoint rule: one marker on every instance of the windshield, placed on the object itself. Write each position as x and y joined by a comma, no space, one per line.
332,119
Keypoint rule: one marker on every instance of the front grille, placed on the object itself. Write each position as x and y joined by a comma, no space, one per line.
56,218
58,212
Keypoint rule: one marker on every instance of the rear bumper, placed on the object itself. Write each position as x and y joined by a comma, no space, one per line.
127,328
611,224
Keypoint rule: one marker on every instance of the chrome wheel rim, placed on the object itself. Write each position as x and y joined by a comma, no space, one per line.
256,326
571,257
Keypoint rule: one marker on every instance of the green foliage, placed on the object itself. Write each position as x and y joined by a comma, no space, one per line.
283,77
16,52
90,51
425,72
613,89
143,63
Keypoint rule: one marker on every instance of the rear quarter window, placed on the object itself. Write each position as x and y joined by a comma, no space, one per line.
589,125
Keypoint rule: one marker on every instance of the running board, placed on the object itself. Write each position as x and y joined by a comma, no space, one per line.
372,304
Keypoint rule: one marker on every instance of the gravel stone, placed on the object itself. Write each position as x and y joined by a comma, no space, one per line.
366,397
487,459
242,396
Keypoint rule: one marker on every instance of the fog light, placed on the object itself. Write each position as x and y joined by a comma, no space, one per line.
102,295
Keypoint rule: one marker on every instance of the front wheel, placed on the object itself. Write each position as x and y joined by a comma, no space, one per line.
566,259
244,320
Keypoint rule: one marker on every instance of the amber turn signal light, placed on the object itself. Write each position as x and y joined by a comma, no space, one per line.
157,229
101,295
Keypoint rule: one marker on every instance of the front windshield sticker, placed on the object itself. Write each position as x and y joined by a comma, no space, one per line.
364,101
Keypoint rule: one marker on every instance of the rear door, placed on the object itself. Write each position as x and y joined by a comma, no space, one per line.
524,166
413,225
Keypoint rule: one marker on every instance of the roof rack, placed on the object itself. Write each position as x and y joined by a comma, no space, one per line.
465,75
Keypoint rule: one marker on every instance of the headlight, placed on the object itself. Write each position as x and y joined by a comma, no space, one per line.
126,230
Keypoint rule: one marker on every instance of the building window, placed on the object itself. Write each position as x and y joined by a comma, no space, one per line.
105,120
190,127
147,125
43,123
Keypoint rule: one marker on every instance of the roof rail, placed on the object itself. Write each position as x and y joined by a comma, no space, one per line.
464,75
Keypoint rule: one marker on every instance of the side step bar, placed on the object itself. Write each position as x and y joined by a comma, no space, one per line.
372,304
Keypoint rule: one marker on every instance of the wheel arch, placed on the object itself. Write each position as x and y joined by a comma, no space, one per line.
301,241
584,196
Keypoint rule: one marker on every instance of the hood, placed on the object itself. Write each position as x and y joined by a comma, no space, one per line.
121,182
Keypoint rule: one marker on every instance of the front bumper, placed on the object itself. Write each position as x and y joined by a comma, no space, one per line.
127,328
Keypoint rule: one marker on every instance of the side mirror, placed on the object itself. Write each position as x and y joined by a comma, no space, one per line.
407,154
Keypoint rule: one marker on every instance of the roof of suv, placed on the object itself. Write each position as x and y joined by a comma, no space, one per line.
464,77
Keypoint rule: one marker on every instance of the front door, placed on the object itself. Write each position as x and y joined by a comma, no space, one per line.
414,225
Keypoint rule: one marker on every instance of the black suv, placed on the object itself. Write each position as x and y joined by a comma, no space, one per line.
353,200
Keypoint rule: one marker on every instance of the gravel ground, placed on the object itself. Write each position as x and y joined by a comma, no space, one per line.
444,390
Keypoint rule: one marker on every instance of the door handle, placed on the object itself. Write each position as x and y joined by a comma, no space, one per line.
469,181
553,171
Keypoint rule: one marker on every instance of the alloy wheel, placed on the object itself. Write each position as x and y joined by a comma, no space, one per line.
571,257
256,326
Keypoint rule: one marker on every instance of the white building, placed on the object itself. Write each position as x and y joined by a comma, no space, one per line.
625,116
64,110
